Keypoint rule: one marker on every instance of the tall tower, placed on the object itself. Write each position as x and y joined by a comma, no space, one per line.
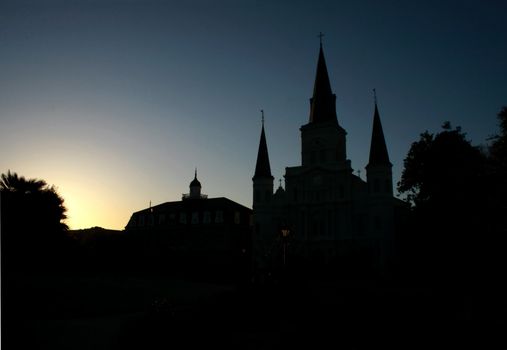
380,189
319,193
322,139
264,230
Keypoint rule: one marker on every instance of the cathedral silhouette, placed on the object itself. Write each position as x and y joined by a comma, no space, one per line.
326,219
325,215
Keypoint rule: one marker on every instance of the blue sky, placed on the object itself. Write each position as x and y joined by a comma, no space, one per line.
116,102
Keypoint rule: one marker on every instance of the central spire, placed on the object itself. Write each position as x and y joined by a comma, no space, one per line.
323,102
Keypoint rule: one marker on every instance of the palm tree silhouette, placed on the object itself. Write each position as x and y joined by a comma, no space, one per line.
32,221
11,182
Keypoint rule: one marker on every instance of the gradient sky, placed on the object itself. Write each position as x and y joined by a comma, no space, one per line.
116,102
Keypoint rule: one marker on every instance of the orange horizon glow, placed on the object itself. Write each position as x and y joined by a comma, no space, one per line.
115,106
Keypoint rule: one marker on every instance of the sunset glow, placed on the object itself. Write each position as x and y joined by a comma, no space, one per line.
117,105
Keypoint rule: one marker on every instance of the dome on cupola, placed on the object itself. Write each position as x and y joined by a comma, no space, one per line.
195,189
195,182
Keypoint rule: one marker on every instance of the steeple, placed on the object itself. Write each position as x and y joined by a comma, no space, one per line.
323,102
378,148
262,167
323,140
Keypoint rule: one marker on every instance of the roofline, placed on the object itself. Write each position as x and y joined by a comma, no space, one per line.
181,201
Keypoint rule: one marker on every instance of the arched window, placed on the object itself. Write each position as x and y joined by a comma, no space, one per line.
195,218
219,217
207,217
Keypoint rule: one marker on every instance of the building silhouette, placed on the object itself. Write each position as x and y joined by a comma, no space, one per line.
197,235
326,216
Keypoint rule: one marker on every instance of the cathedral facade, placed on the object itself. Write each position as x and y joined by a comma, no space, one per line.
325,215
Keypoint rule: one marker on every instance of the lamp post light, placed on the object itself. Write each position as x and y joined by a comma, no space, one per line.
285,232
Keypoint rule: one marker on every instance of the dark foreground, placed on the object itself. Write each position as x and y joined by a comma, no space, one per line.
111,312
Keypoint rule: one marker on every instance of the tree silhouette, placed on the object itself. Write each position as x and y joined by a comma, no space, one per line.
441,168
498,158
498,149
33,231
11,182
496,180
443,179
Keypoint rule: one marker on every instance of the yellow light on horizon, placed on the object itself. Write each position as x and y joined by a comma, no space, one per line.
87,208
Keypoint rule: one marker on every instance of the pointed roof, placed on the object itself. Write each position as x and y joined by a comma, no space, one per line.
323,102
378,148
262,168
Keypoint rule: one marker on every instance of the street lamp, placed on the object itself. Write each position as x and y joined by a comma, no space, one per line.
285,232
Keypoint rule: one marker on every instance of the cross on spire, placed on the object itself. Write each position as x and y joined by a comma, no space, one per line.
262,117
374,95
321,35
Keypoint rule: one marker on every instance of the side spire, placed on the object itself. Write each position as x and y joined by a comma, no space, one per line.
323,101
378,148
262,167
